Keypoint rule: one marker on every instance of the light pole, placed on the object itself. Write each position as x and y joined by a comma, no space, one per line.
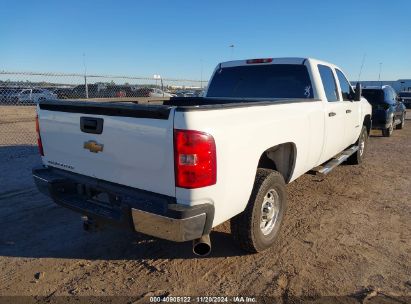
232,50
201,74
379,74
362,65
85,75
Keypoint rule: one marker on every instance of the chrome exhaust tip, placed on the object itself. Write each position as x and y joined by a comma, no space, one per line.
202,246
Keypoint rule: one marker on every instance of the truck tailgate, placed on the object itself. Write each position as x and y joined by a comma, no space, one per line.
135,147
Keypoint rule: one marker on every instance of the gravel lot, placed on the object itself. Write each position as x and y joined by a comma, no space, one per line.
347,236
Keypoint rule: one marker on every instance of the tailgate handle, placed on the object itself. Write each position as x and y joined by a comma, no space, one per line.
91,125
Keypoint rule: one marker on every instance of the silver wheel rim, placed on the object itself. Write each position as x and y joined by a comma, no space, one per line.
362,144
403,120
270,210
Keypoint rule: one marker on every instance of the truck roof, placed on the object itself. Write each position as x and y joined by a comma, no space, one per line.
271,60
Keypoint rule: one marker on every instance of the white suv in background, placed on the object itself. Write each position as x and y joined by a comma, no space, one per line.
32,95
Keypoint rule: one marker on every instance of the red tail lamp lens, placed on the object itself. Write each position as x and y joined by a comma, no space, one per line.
195,159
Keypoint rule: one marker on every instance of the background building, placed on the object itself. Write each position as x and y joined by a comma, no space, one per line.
398,85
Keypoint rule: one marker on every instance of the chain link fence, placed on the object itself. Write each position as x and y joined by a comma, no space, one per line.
21,91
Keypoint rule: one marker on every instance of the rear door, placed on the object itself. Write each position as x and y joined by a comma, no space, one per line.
398,106
334,115
130,145
389,98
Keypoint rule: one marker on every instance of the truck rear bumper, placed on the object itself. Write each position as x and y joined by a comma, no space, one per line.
146,212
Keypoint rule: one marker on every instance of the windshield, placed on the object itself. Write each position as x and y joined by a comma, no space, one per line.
262,81
374,96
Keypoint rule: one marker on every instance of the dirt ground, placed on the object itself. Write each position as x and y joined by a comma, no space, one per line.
347,237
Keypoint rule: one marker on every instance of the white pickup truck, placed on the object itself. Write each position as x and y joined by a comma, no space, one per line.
176,169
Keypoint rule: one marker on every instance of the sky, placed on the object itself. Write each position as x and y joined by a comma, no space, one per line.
186,39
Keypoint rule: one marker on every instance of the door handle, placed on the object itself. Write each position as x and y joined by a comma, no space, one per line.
331,114
347,111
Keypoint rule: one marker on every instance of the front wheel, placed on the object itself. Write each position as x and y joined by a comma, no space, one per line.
358,156
257,227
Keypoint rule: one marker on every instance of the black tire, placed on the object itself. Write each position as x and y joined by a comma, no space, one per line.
401,125
358,157
245,227
388,132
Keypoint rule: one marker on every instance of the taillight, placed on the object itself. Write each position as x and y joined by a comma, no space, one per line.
259,60
195,159
39,143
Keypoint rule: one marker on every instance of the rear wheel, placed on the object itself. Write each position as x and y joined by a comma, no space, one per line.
358,156
401,125
257,227
388,132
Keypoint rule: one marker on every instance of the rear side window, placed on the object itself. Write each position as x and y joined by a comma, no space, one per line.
345,86
328,80
262,81
389,95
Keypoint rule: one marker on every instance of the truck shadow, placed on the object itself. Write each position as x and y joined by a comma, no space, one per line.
59,234
33,226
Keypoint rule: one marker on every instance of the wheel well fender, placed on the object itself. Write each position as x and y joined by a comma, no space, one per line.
281,158
367,123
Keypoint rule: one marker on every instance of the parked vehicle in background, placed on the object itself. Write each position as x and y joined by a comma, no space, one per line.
6,93
152,92
29,96
405,98
185,93
189,93
159,93
176,169
127,90
96,90
387,111
63,93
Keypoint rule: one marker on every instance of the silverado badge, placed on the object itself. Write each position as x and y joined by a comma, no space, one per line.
93,146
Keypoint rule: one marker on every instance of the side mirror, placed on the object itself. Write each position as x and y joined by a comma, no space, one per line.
358,92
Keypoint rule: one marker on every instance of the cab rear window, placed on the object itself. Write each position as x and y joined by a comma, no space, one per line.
262,81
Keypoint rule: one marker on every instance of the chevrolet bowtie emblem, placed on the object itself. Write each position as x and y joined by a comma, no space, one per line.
93,146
